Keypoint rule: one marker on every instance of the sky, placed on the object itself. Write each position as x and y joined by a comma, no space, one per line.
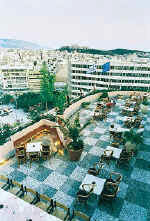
101,24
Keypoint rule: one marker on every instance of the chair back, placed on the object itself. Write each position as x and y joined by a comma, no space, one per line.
116,177
110,191
95,170
34,156
20,150
45,148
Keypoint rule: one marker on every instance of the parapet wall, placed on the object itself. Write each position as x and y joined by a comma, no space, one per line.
129,93
74,107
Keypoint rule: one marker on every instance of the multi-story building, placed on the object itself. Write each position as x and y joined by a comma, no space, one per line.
34,79
14,78
123,75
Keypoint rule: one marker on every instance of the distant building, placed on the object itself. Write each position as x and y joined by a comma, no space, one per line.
123,75
14,78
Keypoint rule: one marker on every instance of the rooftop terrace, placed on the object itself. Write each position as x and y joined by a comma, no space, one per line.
60,178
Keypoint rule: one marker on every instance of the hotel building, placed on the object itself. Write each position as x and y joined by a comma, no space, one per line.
123,75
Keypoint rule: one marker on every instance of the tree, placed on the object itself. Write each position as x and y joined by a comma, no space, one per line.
7,98
61,99
27,100
5,133
47,85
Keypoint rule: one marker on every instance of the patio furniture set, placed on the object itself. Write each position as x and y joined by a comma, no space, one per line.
33,152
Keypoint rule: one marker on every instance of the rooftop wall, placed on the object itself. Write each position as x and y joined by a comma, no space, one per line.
74,107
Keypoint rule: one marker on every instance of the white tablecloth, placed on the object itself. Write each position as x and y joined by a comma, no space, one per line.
99,183
117,128
128,109
116,151
34,147
16,209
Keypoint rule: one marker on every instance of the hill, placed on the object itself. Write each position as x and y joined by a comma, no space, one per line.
118,51
12,43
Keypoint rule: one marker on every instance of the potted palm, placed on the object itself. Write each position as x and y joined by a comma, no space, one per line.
71,131
75,147
132,141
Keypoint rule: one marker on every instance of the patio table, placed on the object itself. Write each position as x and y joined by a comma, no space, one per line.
125,118
130,109
118,129
121,130
34,147
116,151
15,208
99,183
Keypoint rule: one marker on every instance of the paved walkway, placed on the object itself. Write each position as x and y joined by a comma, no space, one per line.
60,179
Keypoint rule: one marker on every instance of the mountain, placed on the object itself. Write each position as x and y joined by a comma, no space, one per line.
12,43
119,51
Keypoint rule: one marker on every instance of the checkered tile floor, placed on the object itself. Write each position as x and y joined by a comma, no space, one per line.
60,178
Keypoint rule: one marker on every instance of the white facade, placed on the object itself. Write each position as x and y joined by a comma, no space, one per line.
14,78
123,75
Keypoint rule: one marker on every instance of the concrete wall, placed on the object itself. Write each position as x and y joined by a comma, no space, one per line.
135,93
74,107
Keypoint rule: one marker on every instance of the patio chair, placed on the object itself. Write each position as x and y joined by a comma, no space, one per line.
123,161
34,156
44,202
21,155
8,184
61,211
115,178
29,196
21,191
20,150
36,198
45,148
95,170
45,155
21,159
107,156
115,144
110,191
15,187
51,207
83,195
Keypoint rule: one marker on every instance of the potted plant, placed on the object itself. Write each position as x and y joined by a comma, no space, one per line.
132,141
71,130
75,147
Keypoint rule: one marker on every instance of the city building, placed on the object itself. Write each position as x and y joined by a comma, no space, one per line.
123,75
14,78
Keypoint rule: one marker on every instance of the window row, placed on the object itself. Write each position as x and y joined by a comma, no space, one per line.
114,74
113,67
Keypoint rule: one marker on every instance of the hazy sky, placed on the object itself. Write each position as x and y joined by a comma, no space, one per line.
103,24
